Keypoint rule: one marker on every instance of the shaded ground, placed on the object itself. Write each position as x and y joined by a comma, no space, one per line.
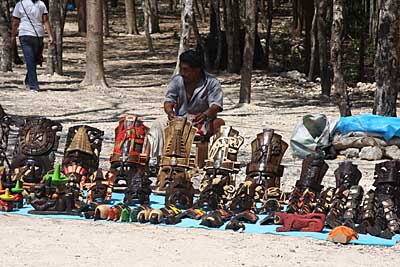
138,82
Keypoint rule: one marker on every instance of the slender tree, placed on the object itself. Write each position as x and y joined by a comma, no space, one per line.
340,87
323,48
5,31
172,5
232,25
146,13
268,23
154,24
200,10
55,58
387,65
94,76
314,46
186,20
82,17
106,18
130,12
308,7
248,53
215,5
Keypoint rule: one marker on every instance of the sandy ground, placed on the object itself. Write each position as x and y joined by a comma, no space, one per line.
138,82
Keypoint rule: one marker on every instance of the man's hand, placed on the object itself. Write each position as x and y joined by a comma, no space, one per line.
171,116
200,118
169,109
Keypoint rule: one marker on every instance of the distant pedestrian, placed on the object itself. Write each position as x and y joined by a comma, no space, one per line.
30,19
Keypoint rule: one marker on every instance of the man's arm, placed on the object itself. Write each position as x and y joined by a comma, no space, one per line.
171,97
215,96
48,28
210,113
169,110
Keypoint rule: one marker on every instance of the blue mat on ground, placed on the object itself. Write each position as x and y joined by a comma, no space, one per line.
158,202
387,127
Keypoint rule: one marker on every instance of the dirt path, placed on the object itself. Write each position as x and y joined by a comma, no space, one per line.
50,242
138,82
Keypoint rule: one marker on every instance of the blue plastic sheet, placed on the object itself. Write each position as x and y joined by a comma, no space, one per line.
386,127
158,202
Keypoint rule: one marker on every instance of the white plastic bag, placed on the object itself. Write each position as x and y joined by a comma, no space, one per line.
310,134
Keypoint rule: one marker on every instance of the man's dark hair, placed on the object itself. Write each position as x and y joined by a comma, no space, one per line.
192,57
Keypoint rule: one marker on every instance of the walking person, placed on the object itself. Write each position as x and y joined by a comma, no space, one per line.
30,19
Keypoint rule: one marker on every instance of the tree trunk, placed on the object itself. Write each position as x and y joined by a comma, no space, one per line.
216,8
55,58
248,53
374,18
314,45
172,6
203,10
200,42
186,18
154,25
213,19
94,76
146,13
82,17
106,26
268,22
63,14
308,17
295,15
323,49
340,89
5,30
363,39
130,12
387,65
232,36
199,10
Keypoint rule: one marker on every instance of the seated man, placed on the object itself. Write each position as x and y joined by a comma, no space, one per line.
193,93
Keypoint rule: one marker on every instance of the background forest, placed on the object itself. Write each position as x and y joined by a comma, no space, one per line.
336,43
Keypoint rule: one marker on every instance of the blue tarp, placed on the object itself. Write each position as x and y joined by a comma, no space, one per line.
158,202
386,127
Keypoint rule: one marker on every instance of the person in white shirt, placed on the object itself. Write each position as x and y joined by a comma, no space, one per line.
30,19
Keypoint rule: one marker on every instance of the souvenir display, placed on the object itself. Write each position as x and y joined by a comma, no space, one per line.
245,197
267,151
303,197
18,197
342,234
31,180
380,207
128,162
114,214
310,222
6,201
168,215
101,212
216,218
237,221
143,213
52,196
218,184
34,151
100,187
344,208
81,156
175,163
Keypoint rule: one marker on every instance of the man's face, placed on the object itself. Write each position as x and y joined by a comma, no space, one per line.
188,73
